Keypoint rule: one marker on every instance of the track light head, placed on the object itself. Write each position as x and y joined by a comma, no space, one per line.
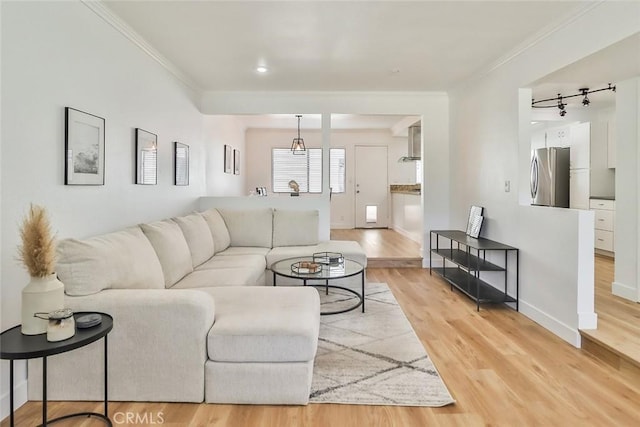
584,92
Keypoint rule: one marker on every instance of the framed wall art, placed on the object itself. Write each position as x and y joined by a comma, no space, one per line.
181,163
146,157
84,148
228,158
236,162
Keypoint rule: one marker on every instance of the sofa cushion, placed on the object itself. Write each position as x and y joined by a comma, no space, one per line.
244,250
264,324
349,249
218,228
233,261
295,228
253,227
172,249
228,276
198,236
121,260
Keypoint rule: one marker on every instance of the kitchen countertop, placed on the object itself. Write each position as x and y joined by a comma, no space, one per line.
603,197
415,189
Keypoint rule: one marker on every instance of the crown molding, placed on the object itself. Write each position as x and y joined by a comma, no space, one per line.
531,41
98,7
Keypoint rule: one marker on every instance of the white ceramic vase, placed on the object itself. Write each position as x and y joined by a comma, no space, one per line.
41,295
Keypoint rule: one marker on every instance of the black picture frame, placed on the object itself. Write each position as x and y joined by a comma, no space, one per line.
474,223
84,148
146,157
181,163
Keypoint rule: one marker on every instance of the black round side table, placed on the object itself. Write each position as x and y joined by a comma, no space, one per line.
15,346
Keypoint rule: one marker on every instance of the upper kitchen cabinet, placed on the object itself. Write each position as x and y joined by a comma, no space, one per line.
580,140
611,144
559,137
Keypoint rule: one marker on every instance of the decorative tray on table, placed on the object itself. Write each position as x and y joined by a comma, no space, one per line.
328,258
306,267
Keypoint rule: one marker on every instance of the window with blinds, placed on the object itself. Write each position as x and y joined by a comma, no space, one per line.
337,157
305,169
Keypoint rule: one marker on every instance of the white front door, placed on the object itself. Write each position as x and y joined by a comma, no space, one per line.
372,187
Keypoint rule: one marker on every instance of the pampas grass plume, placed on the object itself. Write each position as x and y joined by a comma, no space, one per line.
38,251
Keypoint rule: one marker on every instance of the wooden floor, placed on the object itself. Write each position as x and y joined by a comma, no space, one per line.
617,339
502,368
384,248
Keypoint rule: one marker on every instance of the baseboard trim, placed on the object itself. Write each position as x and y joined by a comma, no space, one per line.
624,291
19,399
562,330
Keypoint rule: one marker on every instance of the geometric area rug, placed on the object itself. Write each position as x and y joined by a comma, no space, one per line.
373,358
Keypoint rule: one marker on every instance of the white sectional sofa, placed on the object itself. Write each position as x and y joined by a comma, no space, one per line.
193,319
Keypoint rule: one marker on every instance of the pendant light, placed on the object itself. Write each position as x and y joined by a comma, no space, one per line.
297,146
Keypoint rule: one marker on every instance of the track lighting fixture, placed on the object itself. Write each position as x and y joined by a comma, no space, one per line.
559,100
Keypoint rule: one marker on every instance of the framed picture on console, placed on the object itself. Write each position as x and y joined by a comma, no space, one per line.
181,163
84,148
146,157
474,223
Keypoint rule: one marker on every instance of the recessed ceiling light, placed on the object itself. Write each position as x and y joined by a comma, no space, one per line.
262,69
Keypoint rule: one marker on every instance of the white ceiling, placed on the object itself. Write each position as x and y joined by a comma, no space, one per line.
314,121
340,45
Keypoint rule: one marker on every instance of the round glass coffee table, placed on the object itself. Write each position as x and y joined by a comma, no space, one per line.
347,268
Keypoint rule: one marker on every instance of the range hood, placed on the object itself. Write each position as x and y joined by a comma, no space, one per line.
413,145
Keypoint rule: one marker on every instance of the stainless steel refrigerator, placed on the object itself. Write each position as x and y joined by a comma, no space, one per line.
550,177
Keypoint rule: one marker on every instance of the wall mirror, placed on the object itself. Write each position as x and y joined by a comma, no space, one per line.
146,157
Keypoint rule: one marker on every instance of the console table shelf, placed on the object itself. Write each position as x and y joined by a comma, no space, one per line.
469,256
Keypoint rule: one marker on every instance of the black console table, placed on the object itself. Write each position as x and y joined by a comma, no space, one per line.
15,346
469,256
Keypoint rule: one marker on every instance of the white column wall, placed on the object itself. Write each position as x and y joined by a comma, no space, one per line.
491,144
627,236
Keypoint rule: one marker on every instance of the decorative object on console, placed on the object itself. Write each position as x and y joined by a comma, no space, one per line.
44,293
84,148
146,157
181,163
236,162
474,224
293,185
228,158
61,324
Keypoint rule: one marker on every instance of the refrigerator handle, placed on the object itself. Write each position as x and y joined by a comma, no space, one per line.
534,177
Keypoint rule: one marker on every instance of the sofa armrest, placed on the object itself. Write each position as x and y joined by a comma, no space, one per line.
157,349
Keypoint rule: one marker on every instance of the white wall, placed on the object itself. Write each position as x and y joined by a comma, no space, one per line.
218,131
491,143
433,108
261,141
57,54
627,235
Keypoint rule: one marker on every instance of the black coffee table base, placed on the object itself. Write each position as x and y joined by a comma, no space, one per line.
106,420
358,304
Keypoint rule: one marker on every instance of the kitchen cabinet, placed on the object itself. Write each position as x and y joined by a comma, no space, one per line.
604,224
406,215
579,189
559,137
538,139
580,141
611,144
